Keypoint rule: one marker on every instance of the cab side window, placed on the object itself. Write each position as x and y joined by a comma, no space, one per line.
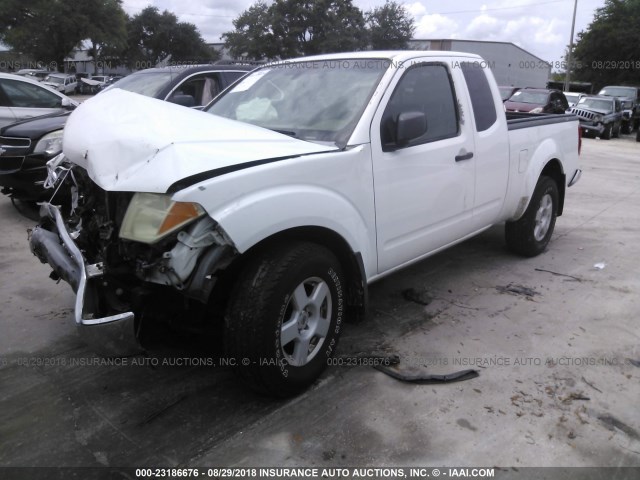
484,110
427,89
203,88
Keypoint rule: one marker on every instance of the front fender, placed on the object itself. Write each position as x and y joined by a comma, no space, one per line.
333,191
259,215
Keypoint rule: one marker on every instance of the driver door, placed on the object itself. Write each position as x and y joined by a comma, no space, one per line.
424,191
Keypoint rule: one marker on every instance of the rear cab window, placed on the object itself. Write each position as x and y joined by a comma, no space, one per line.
484,109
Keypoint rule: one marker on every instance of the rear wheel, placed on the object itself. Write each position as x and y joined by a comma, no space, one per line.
530,234
284,318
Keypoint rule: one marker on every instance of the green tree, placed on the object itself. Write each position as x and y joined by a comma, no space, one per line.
47,30
253,37
390,26
290,28
154,36
606,53
106,29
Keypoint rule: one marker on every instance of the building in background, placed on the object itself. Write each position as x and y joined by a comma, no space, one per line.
510,64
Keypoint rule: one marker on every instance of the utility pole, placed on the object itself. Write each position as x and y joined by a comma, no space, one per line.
573,25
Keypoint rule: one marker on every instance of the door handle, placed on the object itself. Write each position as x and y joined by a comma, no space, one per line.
464,156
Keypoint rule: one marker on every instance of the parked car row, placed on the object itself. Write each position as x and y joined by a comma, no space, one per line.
613,111
80,83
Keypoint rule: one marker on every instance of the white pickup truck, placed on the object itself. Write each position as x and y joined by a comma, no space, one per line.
272,210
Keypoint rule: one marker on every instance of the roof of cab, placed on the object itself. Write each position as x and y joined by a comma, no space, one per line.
394,55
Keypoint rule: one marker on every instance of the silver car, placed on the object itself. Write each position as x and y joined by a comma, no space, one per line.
61,82
22,98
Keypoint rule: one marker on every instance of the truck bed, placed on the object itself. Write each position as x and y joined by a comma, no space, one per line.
517,120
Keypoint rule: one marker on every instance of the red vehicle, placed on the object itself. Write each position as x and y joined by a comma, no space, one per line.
507,91
537,100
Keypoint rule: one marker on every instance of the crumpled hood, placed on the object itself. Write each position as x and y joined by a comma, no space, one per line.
129,142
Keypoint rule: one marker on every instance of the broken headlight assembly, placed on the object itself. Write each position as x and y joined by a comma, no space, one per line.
50,144
152,216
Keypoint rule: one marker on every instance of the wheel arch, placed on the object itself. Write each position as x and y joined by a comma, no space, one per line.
350,261
553,169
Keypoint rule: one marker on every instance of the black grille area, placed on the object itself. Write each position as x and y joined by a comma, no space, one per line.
583,113
15,142
10,164
14,147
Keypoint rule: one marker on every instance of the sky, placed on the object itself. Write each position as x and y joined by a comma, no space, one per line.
541,27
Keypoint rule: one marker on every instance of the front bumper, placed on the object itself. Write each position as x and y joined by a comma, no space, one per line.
113,335
592,127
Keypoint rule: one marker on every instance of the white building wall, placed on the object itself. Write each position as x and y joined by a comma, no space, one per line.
510,64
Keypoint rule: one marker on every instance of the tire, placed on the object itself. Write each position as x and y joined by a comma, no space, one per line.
626,128
606,134
530,235
638,135
280,336
616,132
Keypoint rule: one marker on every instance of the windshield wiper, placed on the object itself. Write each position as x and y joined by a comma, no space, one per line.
284,132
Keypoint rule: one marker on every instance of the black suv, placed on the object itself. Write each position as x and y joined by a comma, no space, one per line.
26,147
630,98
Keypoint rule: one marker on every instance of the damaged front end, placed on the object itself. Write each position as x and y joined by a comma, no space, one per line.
127,256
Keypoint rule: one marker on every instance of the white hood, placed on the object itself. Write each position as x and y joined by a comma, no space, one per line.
128,142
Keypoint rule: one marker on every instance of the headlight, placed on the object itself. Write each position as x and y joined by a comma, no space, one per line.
536,110
152,216
50,144
597,118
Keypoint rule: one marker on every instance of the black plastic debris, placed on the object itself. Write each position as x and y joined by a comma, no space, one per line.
421,378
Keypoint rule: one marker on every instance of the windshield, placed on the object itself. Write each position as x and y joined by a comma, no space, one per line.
52,79
316,101
145,83
572,97
539,98
619,92
597,103
505,92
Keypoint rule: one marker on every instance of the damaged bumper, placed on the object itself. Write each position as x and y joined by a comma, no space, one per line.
591,127
113,335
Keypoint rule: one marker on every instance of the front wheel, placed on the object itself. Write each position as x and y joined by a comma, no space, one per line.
284,318
606,134
616,131
530,235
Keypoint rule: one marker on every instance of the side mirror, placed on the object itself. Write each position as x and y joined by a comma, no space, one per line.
184,100
67,104
410,126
